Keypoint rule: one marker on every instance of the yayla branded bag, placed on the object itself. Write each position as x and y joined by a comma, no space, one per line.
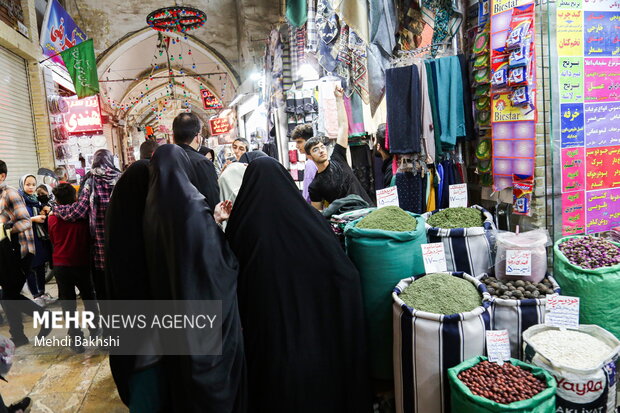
580,391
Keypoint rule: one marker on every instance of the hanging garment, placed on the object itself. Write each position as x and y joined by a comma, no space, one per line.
312,38
450,100
355,115
431,72
297,12
410,196
361,165
383,24
355,14
403,109
328,107
431,204
301,308
470,131
294,52
359,66
427,134
328,30
287,74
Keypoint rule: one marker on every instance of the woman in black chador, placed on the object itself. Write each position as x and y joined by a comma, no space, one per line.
182,255
300,301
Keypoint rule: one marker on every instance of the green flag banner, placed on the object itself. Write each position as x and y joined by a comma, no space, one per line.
81,65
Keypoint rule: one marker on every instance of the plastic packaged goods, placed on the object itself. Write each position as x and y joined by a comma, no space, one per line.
582,361
535,242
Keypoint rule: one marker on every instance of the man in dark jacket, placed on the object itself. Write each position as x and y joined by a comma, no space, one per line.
186,132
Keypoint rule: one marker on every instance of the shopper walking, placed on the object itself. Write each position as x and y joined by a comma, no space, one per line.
92,203
14,214
38,216
300,301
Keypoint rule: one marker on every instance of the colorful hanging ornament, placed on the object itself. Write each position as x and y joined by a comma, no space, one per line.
177,19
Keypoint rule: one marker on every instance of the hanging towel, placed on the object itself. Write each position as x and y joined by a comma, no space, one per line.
403,109
450,100
355,14
297,12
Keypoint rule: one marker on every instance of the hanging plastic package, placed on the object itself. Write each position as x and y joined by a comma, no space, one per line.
426,345
383,258
517,315
598,289
467,249
533,242
580,389
464,401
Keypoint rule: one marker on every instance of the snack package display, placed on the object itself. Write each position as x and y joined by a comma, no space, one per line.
520,56
520,96
520,26
517,76
481,61
481,42
482,76
499,67
522,190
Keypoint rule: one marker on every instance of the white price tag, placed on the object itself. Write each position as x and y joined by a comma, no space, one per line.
562,311
387,197
434,257
519,263
458,195
498,346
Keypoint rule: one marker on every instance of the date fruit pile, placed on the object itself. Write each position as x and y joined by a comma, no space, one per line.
519,289
503,384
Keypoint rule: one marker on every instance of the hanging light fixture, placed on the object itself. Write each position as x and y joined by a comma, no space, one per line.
179,19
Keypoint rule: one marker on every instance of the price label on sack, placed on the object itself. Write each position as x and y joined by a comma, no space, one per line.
434,257
387,197
458,195
498,346
562,311
519,263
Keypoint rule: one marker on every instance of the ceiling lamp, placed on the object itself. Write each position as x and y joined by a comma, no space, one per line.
178,19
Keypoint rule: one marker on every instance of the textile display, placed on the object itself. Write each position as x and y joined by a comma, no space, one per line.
403,109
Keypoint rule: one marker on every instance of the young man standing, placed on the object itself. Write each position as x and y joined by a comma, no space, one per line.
335,178
300,135
186,132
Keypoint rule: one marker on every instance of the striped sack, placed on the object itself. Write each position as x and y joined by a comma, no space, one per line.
426,345
516,316
467,249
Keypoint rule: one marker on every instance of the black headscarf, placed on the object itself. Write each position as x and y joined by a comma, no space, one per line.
188,259
250,156
204,150
300,301
125,269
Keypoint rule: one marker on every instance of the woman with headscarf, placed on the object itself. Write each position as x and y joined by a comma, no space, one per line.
230,180
93,199
207,153
38,216
181,255
300,301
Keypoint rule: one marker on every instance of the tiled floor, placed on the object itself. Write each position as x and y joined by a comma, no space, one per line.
58,380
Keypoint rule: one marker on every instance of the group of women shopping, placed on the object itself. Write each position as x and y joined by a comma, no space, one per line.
293,336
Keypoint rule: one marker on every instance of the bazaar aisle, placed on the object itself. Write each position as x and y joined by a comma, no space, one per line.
58,380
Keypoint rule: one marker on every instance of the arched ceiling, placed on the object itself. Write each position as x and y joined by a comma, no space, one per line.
134,77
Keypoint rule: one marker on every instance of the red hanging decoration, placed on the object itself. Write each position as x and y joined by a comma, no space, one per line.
179,19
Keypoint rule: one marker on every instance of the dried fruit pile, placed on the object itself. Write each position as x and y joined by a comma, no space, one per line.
503,384
518,290
590,252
